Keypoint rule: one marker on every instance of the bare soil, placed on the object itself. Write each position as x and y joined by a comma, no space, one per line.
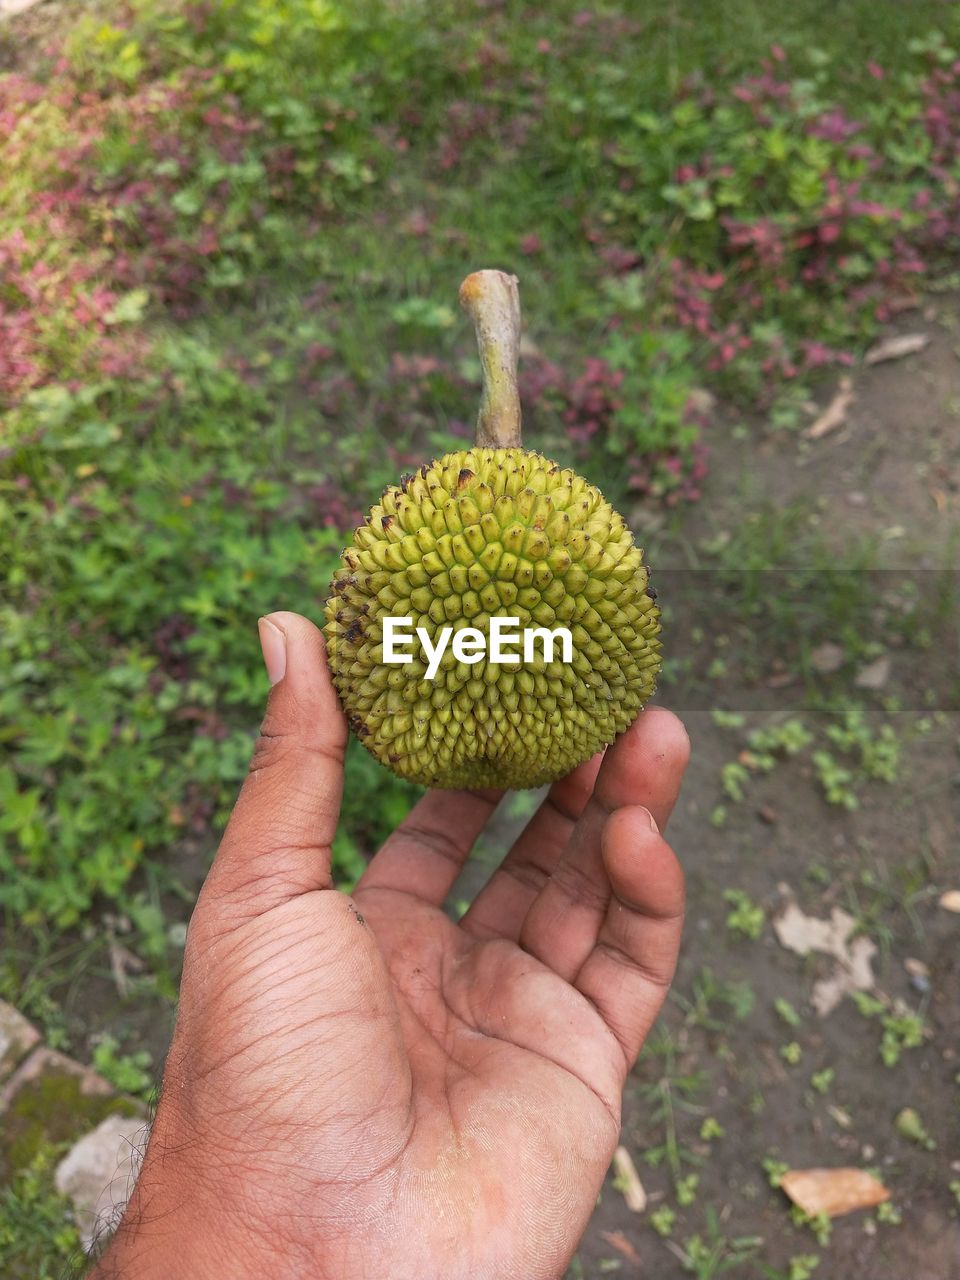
890,478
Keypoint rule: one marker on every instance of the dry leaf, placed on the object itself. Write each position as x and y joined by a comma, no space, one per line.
833,1191
628,1180
903,344
123,962
826,658
950,901
802,933
875,674
835,414
622,1245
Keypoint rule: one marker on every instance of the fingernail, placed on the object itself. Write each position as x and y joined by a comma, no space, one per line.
653,825
274,645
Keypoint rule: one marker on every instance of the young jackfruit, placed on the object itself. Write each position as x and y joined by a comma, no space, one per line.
495,531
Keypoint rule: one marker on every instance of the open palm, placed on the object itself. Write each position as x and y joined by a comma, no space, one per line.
362,1087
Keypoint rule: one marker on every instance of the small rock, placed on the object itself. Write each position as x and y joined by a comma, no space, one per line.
875,674
856,498
950,901
867,1151
826,658
177,934
53,1098
17,1038
99,1171
919,974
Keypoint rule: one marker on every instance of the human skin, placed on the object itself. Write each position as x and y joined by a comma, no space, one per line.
360,1087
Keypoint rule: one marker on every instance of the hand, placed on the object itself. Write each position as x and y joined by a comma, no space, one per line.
359,1087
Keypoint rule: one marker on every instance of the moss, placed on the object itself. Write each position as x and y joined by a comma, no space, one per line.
52,1109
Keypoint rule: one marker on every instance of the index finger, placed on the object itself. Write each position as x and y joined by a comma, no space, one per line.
427,851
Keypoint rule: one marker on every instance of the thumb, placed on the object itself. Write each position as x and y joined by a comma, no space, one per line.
277,843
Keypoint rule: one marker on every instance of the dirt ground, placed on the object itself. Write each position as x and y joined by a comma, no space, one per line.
891,476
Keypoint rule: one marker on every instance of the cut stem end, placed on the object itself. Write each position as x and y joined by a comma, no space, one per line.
492,300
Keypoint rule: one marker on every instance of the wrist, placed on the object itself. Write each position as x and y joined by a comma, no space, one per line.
183,1224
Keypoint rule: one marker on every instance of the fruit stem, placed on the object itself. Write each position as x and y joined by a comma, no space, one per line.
492,300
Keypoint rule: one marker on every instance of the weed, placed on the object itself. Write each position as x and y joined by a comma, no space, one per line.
901,1029
836,780
713,1001
715,1254
819,1224
746,919
786,1012
910,1126
663,1220
666,1096
38,1238
822,1080
800,1267
774,1169
686,1189
128,1072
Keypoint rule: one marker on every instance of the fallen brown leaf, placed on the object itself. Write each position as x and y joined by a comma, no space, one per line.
802,933
835,414
833,1191
875,674
781,679
895,348
628,1180
622,1245
827,658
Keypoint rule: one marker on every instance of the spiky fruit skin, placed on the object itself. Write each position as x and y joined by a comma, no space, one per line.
475,534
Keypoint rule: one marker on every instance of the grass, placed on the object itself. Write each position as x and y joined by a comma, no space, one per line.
38,1240
224,291
229,249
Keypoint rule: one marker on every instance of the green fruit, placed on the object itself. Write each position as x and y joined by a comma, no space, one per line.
493,531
